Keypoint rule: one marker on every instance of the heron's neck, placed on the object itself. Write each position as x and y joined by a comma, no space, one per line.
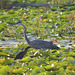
28,41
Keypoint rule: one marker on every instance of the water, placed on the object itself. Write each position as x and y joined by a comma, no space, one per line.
12,42
5,44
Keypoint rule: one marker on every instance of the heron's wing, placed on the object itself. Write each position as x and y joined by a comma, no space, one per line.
41,44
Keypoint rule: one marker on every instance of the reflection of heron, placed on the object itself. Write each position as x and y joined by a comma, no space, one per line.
37,44
21,54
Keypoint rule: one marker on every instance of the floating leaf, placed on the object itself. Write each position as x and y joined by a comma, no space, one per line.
37,70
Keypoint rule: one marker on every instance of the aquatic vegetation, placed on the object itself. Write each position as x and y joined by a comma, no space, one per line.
54,23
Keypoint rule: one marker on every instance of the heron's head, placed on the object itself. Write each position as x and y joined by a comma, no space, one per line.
18,23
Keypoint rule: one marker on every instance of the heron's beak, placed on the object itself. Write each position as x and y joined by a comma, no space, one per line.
15,23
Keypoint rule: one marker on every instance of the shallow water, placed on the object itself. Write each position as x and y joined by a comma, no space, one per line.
12,42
